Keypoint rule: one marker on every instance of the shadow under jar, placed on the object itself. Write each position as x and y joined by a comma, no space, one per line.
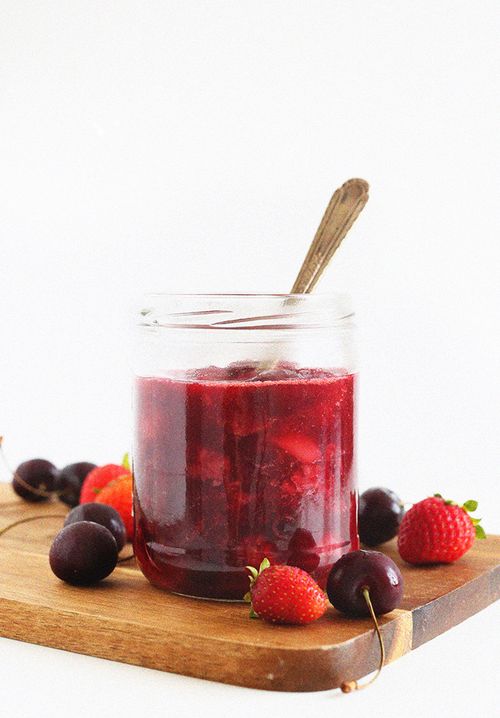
244,443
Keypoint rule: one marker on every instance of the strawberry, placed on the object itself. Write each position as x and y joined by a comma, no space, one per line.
98,478
118,494
438,531
284,594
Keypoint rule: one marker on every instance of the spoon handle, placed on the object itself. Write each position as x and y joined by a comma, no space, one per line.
342,211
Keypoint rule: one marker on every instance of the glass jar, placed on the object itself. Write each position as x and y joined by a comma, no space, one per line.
244,443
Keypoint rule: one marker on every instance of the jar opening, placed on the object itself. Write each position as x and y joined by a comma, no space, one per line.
230,312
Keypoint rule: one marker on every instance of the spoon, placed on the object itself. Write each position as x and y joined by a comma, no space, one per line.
342,211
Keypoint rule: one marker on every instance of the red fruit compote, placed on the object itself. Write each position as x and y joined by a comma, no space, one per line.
240,463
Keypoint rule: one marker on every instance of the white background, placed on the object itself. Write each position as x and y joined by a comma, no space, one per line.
192,146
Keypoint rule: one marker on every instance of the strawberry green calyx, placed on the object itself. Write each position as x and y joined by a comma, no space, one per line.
480,532
448,502
469,506
254,574
126,461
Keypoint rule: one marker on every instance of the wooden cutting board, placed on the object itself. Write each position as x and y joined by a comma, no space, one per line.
125,619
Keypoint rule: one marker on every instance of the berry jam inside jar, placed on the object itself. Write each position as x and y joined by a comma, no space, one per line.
244,442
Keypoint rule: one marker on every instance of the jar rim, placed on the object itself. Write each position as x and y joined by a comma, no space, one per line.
231,311
251,295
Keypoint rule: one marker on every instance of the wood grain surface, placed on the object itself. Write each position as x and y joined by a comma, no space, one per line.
125,619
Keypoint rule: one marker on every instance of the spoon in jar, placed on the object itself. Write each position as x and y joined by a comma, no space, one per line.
340,214
342,211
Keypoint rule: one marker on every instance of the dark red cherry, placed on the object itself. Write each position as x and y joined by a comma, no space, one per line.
83,553
35,480
101,514
358,570
379,516
69,481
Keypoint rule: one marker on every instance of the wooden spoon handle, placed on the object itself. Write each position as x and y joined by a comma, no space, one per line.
342,211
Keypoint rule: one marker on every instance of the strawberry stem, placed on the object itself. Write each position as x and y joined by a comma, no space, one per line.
349,686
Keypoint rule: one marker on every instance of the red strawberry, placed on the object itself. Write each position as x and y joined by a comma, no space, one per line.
285,594
98,478
437,531
118,494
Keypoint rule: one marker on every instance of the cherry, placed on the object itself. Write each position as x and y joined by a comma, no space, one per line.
83,553
101,514
365,583
69,481
379,516
35,480
372,570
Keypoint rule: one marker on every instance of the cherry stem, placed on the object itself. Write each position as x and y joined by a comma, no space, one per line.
31,518
349,686
37,491
126,558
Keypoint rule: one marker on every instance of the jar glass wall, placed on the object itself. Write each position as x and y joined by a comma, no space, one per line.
244,443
